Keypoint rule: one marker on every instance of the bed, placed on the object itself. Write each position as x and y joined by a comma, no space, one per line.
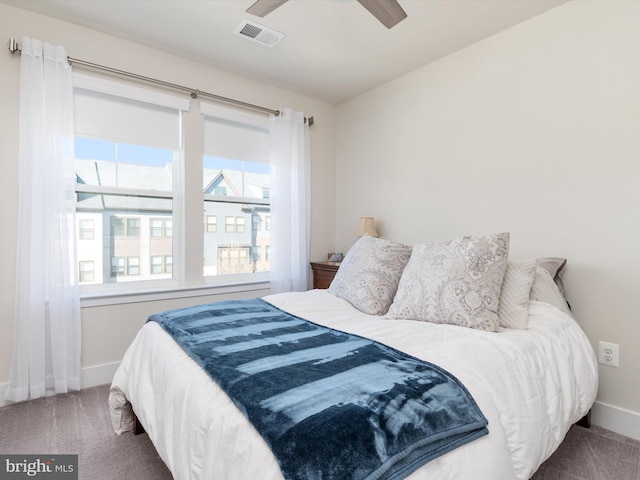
531,384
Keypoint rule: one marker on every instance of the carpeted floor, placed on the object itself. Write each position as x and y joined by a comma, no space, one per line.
593,454
79,423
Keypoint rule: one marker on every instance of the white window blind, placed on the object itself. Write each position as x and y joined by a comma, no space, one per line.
235,135
127,114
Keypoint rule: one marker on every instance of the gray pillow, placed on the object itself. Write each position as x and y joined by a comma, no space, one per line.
369,274
544,289
457,282
555,267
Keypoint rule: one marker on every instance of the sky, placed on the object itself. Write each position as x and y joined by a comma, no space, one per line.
88,148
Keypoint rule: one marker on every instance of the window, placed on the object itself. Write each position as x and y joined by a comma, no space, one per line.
156,264
230,224
125,227
168,264
161,227
117,227
211,224
127,146
85,229
133,227
234,224
234,259
117,266
133,265
240,224
236,179
130,172
161,264
86,271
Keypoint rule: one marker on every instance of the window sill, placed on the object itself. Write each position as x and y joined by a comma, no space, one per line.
128,293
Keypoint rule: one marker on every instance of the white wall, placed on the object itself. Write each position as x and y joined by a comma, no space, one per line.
536,131
108,330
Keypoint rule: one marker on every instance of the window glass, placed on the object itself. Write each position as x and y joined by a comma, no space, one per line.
128,156
236,188
125,154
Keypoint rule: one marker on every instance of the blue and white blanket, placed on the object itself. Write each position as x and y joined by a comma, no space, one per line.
330,405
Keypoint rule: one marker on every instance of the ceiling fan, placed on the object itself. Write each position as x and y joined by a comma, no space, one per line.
388,12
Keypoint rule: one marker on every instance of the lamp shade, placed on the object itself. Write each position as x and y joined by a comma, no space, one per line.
366,225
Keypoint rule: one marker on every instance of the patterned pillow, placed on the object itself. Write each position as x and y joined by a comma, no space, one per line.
513,309
457,282
369,274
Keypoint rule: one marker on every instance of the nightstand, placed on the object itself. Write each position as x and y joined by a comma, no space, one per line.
323,273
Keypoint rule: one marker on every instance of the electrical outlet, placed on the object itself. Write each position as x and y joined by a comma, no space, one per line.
608,354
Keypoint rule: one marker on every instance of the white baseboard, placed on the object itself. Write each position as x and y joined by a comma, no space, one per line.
99,374
91,377
618,420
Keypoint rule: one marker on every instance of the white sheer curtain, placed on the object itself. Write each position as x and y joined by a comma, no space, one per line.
46,346
289,158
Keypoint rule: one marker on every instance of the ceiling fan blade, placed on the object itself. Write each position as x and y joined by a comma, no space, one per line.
389,12
261,8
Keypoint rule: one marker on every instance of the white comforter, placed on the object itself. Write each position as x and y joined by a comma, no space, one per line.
532,385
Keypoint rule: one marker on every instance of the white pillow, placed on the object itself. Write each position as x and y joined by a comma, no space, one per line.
369,274
513,309
457,282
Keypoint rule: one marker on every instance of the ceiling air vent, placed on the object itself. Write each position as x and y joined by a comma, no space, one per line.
258,33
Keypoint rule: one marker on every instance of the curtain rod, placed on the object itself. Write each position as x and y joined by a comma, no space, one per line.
14,48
